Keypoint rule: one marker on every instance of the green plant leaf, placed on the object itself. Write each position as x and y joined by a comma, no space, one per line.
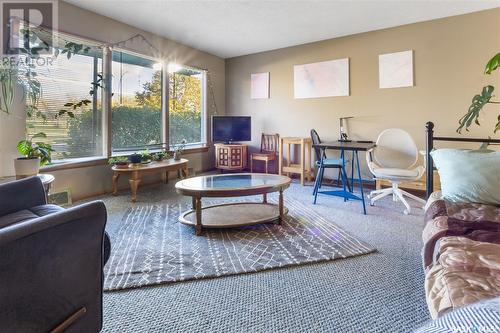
478,102
493,64
24,147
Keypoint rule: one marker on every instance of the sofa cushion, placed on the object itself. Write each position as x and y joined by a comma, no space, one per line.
45,210
466,271
28,214
20,216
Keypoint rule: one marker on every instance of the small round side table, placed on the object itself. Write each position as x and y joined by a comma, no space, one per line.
47,180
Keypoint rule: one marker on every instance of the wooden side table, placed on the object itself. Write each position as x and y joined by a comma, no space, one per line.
231,156
303,167
136,171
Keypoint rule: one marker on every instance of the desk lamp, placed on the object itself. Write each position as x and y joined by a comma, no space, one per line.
344,137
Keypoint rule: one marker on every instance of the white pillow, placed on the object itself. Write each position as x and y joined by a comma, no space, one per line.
469,175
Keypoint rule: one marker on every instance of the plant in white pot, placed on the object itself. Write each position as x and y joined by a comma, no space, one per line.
35,154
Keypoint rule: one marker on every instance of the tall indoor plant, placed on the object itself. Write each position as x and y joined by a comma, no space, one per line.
481,100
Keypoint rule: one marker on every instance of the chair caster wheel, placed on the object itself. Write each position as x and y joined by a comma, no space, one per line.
406,212
372,203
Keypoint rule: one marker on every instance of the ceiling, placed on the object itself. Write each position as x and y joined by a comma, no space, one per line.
229,28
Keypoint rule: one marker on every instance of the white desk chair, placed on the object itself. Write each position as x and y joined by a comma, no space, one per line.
394,159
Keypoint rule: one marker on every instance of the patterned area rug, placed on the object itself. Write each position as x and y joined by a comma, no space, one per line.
151,247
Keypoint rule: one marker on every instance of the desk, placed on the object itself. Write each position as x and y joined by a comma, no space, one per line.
355,147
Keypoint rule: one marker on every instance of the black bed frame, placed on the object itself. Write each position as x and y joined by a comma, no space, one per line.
430,138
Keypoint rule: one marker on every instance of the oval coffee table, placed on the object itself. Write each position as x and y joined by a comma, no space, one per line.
232,214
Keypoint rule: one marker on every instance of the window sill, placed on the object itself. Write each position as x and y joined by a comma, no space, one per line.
96,161
75,164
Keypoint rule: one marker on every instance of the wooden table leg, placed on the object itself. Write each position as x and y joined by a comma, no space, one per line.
193,203
280,156
281,208
289,158
165,177
116,175
199,228
134,182
264,198
302,162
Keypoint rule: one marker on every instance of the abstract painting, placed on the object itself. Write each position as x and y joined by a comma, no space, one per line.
259,85
322,79
396,69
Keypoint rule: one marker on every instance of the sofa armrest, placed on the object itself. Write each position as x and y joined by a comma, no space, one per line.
50,268
21,194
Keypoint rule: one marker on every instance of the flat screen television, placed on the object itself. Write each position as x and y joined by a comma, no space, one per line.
229,129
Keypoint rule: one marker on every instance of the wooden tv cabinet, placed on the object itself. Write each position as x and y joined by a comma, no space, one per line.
232,156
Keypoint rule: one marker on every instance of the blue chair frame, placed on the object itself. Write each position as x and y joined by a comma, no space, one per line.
322,162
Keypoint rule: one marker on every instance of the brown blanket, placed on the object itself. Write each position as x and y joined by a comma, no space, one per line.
473,221
465,272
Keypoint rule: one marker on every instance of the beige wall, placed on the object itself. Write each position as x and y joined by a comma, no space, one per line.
449,57
85,182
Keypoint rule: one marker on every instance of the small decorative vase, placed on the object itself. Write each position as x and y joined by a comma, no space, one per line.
135,158
177,156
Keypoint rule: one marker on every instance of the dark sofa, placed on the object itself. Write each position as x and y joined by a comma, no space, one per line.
51,262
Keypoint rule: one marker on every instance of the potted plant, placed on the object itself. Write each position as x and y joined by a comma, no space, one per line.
178,149
146,156
159,156
35,154
121,162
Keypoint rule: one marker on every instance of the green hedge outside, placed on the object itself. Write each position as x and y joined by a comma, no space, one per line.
132,126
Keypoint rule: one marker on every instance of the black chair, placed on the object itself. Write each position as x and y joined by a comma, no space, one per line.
51,262
322,162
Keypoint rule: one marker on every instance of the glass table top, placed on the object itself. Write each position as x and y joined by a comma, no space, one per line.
233,181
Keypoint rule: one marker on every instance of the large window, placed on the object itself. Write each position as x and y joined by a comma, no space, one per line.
136,104
143,112
185,110
68,80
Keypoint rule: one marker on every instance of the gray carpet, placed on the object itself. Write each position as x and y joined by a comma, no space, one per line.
151,247
380,292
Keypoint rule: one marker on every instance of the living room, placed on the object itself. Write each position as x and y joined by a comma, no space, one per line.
172,166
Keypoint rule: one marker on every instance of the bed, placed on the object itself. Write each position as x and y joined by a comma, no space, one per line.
461,244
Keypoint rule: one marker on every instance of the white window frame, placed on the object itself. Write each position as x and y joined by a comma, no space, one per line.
164,103
204,119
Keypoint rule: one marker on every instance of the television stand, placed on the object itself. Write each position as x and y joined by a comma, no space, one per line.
232,156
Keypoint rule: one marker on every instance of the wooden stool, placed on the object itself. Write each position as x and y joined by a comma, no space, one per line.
303,168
